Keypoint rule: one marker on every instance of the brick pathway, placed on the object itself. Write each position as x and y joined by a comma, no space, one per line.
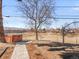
20,52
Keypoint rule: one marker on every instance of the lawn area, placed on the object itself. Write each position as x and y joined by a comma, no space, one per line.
74,39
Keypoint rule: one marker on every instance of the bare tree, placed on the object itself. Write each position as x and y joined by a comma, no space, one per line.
69,29
39,13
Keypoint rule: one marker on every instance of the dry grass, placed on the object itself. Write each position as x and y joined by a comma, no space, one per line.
50,54
51,37
42,36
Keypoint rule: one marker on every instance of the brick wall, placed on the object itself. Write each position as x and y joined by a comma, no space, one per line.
13,38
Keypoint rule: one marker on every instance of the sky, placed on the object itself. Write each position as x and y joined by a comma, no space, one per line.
10,9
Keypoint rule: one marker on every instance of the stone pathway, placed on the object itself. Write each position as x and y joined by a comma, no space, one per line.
20,52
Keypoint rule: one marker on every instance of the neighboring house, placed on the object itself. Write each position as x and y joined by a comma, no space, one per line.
13,35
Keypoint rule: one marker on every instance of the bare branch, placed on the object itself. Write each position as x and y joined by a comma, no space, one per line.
38,12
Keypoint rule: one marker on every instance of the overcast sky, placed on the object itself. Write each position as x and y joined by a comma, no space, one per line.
10,9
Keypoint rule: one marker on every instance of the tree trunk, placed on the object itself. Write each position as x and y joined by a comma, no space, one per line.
36,31
1,24
63,38
36,34
63,35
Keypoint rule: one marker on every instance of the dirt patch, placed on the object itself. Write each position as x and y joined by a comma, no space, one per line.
50,54
7,54
34,53
42,52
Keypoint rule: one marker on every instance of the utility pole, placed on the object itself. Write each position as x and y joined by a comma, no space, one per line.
63,34
1,24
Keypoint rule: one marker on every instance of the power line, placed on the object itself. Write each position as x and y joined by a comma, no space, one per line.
66,6
68,15
49,17
51,6
13,16
66,18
